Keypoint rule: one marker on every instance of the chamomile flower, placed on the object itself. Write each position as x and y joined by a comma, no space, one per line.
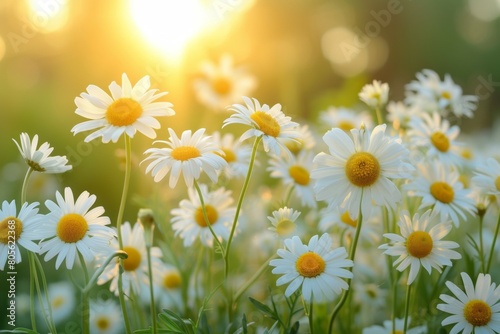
190,155
269,123
222,84
70,227
39,159
305,141
128,110
296,171
477,309
135,267
105,317
283,221
375,95
487,178
440,188
398,329
435,136
188,220
62,300
314,268
168,281
345,119
18,229
236,154
401,115
420,244
359,168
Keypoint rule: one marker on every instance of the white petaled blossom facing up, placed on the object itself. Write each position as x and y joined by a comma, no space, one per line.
105,317
283,221
475,310
487,179
440,189
236,154
222,84
435,136
135,266
296,171
315,268
420,244
305,141
188,155
18,230
269,123
375,95
345,119
128,110
359,169
398,329
189,222
39,159
71,227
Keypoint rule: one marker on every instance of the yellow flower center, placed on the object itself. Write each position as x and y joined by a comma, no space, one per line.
299,174
362,169
212,216
123,112
10,229
440,141
310,264
134,258
172,280
221,85
477,312
57,302
102,323
35,166
466,153
464,179
183,153
294,146
72,227
229,155
346,219
497,183
345,126
445,95
419,244
266,123
443,192
285,227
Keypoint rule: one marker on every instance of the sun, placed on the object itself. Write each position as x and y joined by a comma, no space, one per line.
169,25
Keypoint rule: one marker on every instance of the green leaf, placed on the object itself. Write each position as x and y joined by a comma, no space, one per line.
295,328
19,330
263,308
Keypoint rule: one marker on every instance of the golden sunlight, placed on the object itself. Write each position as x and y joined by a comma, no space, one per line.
48,15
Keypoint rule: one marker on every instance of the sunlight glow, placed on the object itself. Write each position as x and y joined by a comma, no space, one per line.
48,15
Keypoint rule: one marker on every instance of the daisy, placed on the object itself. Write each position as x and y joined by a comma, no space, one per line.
487,178
168,283
283,221
305,141
62,300
375,95
420,244
191,154
135,267
235,153
475,310
315,268
39,159
189,222
70,227
401,115
359,168
269,123
296,171
398,329
18,229
440,188
128,110
437,138
105,317
345,119
222,84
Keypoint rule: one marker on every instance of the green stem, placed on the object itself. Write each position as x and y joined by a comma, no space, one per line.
311,317
85,298
121,254
394,301
252,279
40,299
289,194
32,292
50,318
481,245
380,119
492,250
25,185
150,274
407,308
352,254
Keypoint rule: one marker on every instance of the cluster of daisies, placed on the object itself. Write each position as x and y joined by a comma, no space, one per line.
346,210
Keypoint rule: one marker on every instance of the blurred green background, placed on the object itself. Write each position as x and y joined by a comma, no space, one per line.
303,53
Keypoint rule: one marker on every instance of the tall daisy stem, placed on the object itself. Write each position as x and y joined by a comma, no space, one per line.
25,185
378,113
492,250
352,254
85,298
151,292
407,308
481,245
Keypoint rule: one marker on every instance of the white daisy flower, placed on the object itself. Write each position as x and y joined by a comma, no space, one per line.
305,141
189,155
189,222
128,110
437,138
39,159
168,283
70,227
270,123
375,95
283,221
345,119
420,244
62,300
18,229
315,268
223,84
361,165
487,178
477,310
441,189
296,171
401,115
398,329
236,154
105,317
135,267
